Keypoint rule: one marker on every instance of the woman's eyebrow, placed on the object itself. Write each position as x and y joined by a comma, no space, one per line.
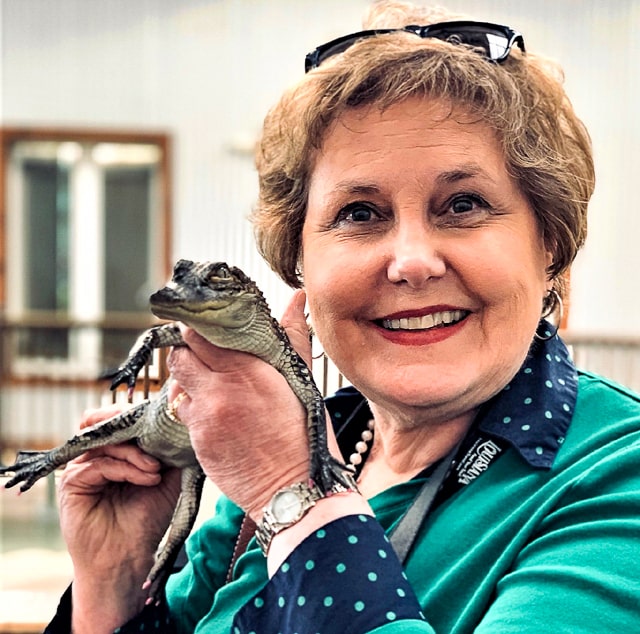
463,172
351,187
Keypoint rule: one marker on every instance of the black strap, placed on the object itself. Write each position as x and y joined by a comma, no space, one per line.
404,533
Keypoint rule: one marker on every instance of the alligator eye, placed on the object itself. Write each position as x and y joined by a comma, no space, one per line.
221,272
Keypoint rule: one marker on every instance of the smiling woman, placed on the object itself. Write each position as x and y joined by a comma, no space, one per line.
419,244
427,187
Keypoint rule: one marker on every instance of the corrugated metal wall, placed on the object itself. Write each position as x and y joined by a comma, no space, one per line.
207,70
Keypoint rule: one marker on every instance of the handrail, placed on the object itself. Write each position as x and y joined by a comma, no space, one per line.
576,337
12,366
58,319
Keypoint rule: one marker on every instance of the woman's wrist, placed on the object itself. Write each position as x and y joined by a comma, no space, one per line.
104,602
325,511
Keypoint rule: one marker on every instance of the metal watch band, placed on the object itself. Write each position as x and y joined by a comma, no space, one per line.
307,496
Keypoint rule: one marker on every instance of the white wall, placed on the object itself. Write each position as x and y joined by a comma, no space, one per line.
207,70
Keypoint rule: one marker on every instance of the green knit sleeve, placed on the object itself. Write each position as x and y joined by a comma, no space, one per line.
190,592
404,627
580,571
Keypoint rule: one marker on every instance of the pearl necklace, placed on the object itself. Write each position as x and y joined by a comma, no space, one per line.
362,446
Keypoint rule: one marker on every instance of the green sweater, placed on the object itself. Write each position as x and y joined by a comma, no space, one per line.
518,550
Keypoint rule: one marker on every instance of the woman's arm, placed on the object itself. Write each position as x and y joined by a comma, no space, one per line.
252,441
343,577
115,505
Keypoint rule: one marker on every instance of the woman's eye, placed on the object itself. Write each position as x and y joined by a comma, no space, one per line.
467,203
361,214
357,212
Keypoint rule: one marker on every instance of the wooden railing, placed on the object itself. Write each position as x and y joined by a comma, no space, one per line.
41,411
43,397
616,357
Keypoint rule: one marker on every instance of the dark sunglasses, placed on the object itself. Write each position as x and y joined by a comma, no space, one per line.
494,40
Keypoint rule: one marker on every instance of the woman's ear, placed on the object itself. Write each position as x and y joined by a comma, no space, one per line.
548,260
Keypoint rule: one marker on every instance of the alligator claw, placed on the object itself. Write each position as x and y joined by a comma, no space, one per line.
126,375
28,468
328,473
154,585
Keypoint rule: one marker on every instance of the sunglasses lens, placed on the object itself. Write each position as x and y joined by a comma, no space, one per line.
494,43
315,58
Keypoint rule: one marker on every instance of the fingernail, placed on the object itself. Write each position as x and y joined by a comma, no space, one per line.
150,460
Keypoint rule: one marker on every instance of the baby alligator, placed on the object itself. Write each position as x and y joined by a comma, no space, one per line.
226,307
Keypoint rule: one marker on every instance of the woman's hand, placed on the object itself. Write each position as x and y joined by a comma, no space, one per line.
247,427
115,505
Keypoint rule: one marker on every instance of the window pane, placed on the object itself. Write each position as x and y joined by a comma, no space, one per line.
127,192
116,343
127,205
44,343
46,269
47,233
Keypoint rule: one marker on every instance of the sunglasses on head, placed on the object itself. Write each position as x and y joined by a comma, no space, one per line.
493,40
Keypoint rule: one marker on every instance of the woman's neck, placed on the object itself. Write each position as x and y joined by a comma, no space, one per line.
401,450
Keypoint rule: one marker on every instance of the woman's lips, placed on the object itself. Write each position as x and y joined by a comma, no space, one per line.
422,328
424,322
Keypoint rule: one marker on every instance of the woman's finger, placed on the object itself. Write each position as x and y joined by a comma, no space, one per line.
97,415
126,453
295,323
94,474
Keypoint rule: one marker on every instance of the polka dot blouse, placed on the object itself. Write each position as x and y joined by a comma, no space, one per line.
363,585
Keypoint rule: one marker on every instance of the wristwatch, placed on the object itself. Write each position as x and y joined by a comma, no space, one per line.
287,506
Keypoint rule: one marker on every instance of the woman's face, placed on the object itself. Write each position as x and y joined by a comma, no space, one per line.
423,263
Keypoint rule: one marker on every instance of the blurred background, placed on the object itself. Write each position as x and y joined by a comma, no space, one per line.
127,133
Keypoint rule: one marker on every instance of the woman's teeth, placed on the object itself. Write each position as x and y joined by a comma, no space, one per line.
427,321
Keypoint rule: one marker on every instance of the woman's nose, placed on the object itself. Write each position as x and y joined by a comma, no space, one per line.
415,257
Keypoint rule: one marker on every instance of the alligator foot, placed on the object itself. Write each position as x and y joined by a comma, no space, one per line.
161,336
28,468
330,474
158,577
153,586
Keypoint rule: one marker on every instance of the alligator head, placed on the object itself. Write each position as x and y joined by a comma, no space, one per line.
216,299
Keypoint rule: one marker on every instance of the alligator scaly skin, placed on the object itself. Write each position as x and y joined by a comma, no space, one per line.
226,307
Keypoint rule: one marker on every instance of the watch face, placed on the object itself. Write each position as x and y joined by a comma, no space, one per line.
286,507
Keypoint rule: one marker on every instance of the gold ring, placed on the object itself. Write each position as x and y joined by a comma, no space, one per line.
172,408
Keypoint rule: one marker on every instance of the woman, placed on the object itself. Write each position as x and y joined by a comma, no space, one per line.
428,190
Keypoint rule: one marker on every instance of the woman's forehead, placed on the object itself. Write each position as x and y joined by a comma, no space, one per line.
412,125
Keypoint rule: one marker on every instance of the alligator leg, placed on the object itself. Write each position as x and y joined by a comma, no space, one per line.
161,336
325,470
31,466
184,516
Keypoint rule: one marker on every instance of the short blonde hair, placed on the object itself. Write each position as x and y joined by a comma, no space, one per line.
546,147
